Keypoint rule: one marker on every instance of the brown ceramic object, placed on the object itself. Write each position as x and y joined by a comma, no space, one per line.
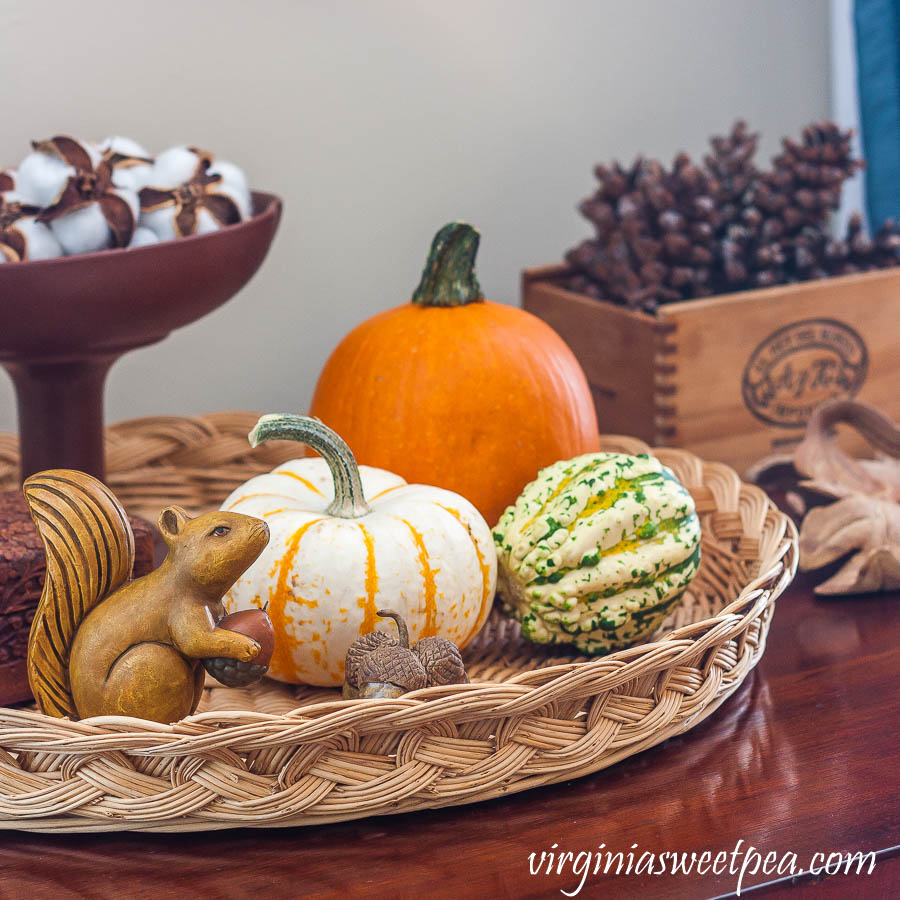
101,645
441,660
22,568
63,322
378,666
256,624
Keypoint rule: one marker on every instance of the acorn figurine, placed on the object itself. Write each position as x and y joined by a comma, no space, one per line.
256,624
378,666
441,660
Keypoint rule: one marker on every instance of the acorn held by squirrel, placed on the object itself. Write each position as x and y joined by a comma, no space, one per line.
101,645
379,666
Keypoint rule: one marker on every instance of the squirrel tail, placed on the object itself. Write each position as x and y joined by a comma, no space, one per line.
90,553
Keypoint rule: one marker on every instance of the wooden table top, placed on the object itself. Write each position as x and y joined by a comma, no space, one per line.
802,759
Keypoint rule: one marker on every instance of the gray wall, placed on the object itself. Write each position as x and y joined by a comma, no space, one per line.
377,122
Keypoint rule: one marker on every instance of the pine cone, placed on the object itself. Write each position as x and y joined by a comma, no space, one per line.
652,229
818,256
670,234
731,164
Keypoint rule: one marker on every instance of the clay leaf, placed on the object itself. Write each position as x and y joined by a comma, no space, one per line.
831,471
871,527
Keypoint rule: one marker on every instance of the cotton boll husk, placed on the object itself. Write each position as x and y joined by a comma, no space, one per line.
178,166
234,185
41,242
174,167
39,239
42,175
8,179
86,230
162,223
134,175
143,237
124,146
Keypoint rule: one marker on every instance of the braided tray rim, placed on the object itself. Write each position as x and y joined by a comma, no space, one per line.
273,756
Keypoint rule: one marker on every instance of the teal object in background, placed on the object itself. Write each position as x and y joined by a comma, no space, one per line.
877,24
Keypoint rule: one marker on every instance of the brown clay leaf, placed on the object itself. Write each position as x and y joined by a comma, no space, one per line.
822,461
872,570
867,525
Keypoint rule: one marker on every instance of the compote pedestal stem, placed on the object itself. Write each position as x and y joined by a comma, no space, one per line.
61,413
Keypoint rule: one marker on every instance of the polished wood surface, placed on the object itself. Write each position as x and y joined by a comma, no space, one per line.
802,759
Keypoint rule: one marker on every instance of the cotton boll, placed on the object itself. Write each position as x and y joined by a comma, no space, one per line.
160,221
175,166
233,185
124,146
191,193
206,223
143,237
43,173
132,164
86,229
13,196
83,231
42,177
22,236
41,243
132,199
133,177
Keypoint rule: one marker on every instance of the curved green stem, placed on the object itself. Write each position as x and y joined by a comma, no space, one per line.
349,501
449,278
401,625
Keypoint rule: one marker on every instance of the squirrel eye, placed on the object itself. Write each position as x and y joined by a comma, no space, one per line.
220,530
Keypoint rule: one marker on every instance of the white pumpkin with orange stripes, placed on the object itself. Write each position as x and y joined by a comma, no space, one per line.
348,540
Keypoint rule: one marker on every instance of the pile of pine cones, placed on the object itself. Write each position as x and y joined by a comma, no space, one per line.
664,235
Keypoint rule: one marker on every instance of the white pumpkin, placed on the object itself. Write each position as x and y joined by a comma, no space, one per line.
347,541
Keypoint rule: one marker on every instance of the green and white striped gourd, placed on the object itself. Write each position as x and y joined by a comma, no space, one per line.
597,550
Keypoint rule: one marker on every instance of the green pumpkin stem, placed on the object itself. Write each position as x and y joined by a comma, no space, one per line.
401,625
449,278
349,501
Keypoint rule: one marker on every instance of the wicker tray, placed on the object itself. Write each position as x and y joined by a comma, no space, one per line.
275,756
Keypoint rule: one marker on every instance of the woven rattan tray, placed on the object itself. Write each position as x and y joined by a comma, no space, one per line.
275,756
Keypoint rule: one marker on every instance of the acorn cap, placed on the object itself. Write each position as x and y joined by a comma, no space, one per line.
441,660
392,664
360,648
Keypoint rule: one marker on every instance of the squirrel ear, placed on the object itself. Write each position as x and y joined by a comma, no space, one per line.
171,520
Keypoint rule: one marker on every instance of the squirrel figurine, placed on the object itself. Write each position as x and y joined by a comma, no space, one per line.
103,645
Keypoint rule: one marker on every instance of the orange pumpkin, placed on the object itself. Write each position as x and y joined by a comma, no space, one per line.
456,391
